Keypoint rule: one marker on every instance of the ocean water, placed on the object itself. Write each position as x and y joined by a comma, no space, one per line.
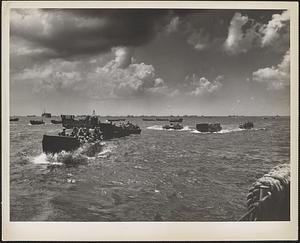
159,175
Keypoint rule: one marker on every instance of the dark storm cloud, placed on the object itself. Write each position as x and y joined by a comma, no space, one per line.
71,32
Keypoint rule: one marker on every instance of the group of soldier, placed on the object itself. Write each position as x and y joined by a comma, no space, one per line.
84,134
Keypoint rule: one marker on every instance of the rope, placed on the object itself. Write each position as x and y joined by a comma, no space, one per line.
268,197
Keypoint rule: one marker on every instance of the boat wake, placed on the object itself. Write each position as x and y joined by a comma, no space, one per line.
155,127
229,130
106,151
160,128
77,157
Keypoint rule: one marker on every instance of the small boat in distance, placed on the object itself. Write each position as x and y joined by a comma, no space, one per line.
176,120
162,119
14,119
46,115
149,119
36,122
56,122
116,119
31,116
208,127
246,125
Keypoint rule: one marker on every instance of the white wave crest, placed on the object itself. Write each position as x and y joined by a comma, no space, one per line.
231,130
44,159
160,128
155,127
106,152
228,130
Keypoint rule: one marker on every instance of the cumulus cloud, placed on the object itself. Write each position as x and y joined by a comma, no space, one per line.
276,77
133,79
237,40
87,77
245,33
123,58
203,86
277,28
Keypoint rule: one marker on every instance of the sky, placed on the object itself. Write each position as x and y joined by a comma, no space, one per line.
149,61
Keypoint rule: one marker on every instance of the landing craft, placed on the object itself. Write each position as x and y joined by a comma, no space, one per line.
115,120
208,127
176,126
246,125
176,120
54,144
36,122
56,122
46,115
162,119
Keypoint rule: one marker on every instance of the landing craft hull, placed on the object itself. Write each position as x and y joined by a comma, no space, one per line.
172,127
208,127
115,120
46,115
56,122
56,144
111,131
137,131
32,122
248,125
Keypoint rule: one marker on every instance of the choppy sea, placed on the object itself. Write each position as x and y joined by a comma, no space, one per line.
159,175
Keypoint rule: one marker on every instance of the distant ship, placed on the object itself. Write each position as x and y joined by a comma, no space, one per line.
14,119
46,115
36,122
162,119
149,119
116,119
176,120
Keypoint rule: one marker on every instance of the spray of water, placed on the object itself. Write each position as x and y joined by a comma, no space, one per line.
160,128
77,157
